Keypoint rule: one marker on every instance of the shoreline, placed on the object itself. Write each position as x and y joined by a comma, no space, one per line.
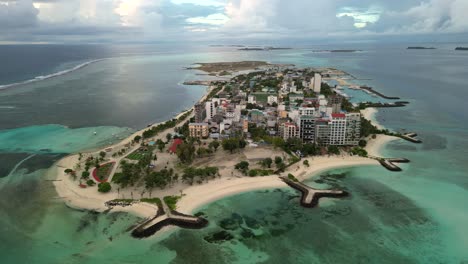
196,196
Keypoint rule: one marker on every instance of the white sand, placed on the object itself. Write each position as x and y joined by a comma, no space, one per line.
369,114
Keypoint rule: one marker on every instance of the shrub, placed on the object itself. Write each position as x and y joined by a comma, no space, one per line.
90,183
104,187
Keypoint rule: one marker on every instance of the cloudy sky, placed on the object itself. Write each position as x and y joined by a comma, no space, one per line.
91,21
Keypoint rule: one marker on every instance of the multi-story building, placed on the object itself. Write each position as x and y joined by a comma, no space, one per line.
353,128
307,128
198,130
200,113
210,108
272,99
335,103
288,130
306,111
251,99
338,129
317,83
322,132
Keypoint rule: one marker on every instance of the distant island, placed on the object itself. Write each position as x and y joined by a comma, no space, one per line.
338,50
461,48
421,48
265,48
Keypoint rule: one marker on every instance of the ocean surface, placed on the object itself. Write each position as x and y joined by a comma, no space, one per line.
415,216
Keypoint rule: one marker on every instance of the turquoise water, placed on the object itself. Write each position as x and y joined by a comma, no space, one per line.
416,216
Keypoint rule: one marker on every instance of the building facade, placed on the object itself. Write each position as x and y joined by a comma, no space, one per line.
199,130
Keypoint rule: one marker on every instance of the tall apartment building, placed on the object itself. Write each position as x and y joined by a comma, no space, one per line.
322,132
210,108
335,103
337,129
307,128
353,128
200,113
317,82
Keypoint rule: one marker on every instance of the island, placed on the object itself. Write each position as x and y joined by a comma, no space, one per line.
265,48
271,127
461,48
421,48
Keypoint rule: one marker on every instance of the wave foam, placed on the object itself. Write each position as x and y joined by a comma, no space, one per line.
41,78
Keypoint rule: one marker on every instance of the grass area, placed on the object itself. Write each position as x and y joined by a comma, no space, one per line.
171,201
155,201
136,155
103,171
261,97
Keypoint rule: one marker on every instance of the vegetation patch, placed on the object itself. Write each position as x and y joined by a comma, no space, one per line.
102,172
155,201
171,201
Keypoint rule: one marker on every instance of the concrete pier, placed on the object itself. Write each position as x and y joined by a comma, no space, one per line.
166,217
310,196
411,137
388,163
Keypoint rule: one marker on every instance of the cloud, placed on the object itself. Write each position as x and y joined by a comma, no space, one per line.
149,20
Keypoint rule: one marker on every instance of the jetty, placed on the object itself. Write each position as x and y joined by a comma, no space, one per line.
310,196
411,137
167,217
389,163
371,90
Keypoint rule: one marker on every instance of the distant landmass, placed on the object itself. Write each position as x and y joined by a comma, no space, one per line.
265,48
337,50
461,48
421,48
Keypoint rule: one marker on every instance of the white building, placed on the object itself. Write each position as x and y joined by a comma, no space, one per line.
289,130
307,111
317,83
272,99
252,100
210,109
337,129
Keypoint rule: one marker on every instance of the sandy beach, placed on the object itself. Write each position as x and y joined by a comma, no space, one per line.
200,194
369,114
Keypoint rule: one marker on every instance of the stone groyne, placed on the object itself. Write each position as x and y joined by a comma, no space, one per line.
310,196
167,217
388,163
411,137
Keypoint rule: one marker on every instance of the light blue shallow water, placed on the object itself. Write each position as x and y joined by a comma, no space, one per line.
416,216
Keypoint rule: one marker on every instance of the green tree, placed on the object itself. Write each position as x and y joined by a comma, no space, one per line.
278,160
266,163
333,150
362,143
185,153
306,163
102,154
85,174
137,138
104,187
242,166
90,183
214,145
168,137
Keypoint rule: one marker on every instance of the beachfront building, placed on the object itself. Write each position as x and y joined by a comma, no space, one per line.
322,132
199,112
337,129
334,102
307,128
288,130
353,128
199,130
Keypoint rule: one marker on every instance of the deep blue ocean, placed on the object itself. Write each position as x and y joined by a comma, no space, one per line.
416,216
